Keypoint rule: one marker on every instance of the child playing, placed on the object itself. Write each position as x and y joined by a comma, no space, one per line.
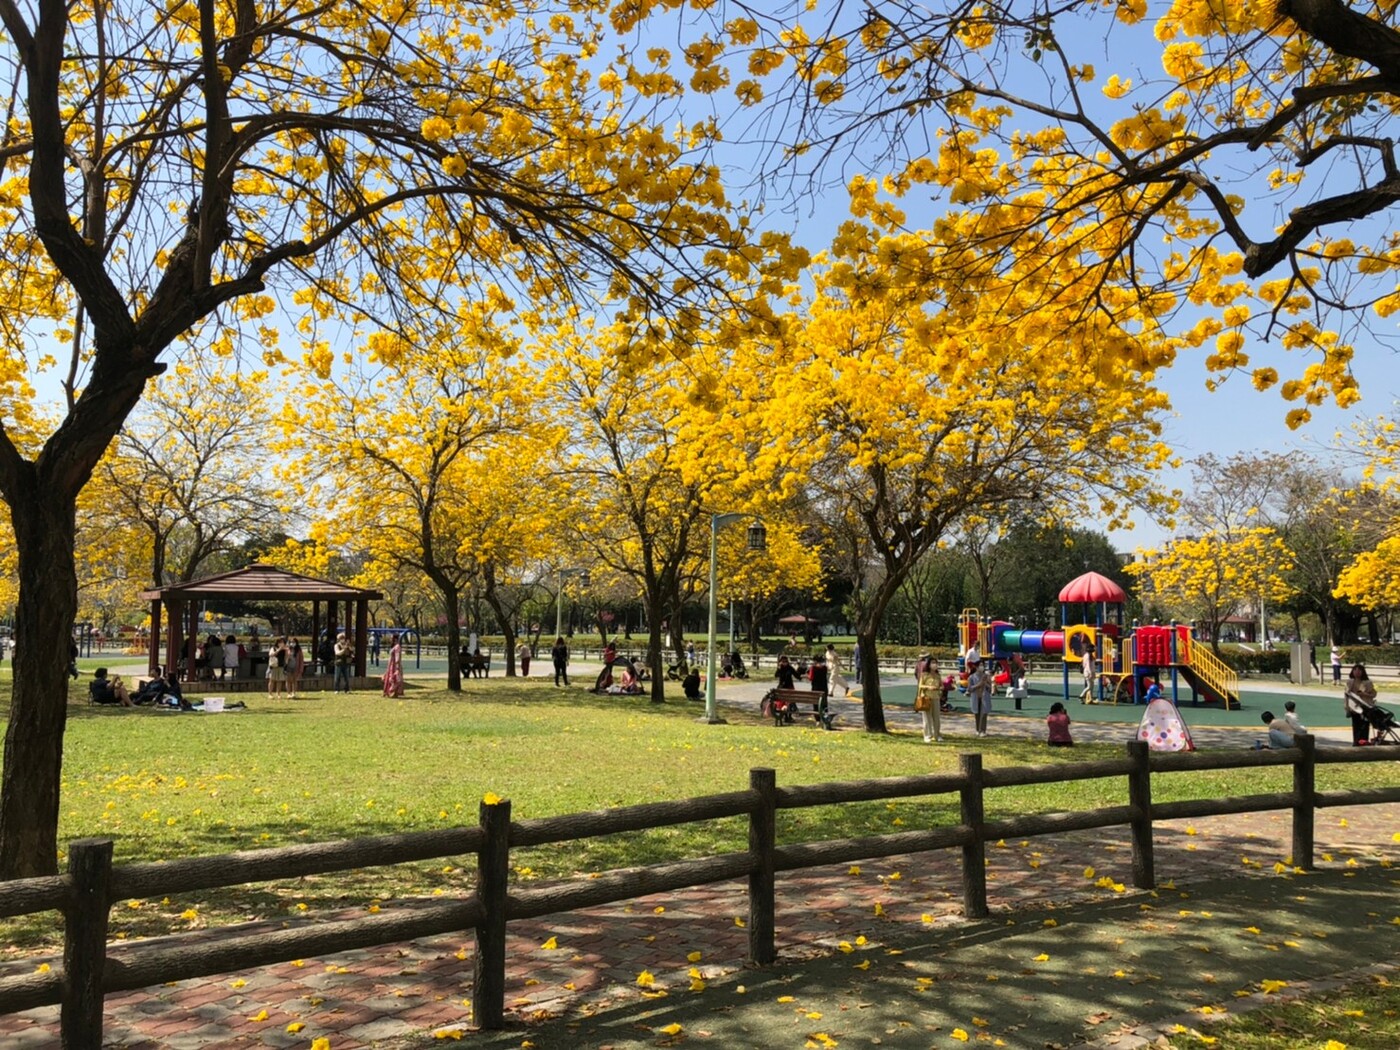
1058,723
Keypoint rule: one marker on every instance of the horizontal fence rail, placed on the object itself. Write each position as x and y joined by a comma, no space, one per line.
92,968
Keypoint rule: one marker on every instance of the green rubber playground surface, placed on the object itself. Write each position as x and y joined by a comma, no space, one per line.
1320,711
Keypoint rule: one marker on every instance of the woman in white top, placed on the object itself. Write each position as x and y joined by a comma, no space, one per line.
835,679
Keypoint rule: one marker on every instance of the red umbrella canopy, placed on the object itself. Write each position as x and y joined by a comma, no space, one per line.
1093,587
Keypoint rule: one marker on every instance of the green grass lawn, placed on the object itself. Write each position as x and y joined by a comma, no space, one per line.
166,785
1365,1016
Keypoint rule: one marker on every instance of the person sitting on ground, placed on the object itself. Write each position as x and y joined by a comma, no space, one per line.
1290,715
104,690
1057,722
627,681
162,690
1281,734
691,685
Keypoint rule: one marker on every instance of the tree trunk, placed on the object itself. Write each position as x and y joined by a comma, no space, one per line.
451,595
45,532
656,643
872,706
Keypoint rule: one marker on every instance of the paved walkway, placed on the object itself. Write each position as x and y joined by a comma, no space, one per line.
871,953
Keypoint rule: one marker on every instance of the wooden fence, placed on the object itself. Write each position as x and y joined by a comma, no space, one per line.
85,894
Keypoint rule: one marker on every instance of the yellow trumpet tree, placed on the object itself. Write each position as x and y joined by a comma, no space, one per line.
899,418
643,473
190,471
1227,167
396,439
1209,578
1372,580
180,169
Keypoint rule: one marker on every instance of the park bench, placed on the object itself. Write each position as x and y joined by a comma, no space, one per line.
784,704
478,665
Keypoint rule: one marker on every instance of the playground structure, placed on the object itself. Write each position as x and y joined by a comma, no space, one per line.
1128,659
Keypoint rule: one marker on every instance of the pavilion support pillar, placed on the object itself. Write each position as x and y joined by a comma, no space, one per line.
315,660
361,634
153,664
192,640
174,612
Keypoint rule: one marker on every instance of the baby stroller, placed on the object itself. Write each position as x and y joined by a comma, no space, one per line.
1384,728
735,663
678,670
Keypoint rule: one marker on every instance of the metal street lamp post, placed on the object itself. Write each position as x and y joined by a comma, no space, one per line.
564,574
757,542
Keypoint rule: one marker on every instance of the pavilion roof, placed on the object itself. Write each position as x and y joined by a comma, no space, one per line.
262,581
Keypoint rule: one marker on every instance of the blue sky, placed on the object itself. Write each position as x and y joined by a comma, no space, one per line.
1237,418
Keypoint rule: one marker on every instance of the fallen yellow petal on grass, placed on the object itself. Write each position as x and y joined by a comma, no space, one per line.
261,1015
960,1034
551,944
295,1027
864,964
1332,1044
672,1029
645,979
1042,957
321,1044
693,957
1269,987
491,798
855,868
785,998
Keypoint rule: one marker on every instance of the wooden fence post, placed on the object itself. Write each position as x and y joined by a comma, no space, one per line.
85,943
1304,786
492,875
1140,802
974,865
763,833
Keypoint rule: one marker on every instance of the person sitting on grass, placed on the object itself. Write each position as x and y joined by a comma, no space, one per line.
1290,715
104,690
1057,722
691,685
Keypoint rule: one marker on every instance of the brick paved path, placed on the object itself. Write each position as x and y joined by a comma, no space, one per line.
387,997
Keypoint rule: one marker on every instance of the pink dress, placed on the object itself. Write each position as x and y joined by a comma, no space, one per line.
393,673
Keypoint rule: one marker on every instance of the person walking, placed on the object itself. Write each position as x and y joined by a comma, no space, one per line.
1086,664
833,669
344,658
979,692
523,655
393,673
296,666
1312,659
559,654
928,702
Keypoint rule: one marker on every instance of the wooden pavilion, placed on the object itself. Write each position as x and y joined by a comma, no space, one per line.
181,605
